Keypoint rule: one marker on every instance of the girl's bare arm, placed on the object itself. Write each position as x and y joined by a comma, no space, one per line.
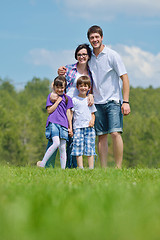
53,107
70,116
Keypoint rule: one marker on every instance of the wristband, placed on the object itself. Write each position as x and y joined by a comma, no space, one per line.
125,102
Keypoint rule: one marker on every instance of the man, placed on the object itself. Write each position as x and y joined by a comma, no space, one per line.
107,68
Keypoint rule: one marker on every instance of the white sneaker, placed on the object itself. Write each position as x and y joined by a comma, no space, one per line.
39,164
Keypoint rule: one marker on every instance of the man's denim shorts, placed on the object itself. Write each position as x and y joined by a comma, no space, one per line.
109,118
54,129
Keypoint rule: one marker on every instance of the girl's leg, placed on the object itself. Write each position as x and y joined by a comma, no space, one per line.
62,150
80,161
51,160
91,162
49,152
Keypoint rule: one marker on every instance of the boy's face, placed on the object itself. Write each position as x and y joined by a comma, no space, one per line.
83,89
95,40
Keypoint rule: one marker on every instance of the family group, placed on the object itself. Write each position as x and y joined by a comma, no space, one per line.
87,100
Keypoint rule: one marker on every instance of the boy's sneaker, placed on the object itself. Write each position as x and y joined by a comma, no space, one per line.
39,164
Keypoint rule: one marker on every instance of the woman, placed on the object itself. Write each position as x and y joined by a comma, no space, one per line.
72,73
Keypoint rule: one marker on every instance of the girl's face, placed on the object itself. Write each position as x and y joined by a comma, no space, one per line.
82,56
59,89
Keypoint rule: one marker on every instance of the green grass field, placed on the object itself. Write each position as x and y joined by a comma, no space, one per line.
73,204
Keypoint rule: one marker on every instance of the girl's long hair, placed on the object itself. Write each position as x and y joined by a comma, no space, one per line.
59,81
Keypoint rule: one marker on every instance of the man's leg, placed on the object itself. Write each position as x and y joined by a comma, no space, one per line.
103,149
117,148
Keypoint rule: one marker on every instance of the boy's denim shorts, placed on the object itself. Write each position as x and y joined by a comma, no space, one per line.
109,118
83,142
54,129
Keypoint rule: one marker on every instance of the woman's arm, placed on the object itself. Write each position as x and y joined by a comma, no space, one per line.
53,107
62,71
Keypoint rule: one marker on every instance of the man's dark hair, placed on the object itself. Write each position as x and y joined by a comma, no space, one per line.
95,29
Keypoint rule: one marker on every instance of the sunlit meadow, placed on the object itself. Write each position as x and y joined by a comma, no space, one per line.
79,204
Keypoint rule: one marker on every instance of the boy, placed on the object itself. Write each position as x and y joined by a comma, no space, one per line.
83,122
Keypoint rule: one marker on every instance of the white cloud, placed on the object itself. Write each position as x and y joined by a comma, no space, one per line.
142,66
105,9
53,59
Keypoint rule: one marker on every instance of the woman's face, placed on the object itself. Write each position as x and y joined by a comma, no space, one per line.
82,56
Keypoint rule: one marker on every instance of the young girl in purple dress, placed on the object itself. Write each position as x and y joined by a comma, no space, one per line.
59,122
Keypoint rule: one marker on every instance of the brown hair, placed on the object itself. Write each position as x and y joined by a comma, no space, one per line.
58,81
83,46
95,29
84,80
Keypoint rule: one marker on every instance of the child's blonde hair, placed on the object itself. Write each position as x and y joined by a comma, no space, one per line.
84,80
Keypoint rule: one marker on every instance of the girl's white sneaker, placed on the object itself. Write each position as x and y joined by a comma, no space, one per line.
39,164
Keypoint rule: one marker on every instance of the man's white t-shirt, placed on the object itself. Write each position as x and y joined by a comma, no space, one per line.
81,112
106,69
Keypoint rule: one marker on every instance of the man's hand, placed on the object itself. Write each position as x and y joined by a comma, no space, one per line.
125,108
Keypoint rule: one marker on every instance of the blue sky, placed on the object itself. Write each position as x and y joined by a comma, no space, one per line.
38,36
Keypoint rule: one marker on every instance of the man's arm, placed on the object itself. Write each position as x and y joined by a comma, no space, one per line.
125,105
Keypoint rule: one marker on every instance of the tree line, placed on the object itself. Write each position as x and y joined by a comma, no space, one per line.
23,116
